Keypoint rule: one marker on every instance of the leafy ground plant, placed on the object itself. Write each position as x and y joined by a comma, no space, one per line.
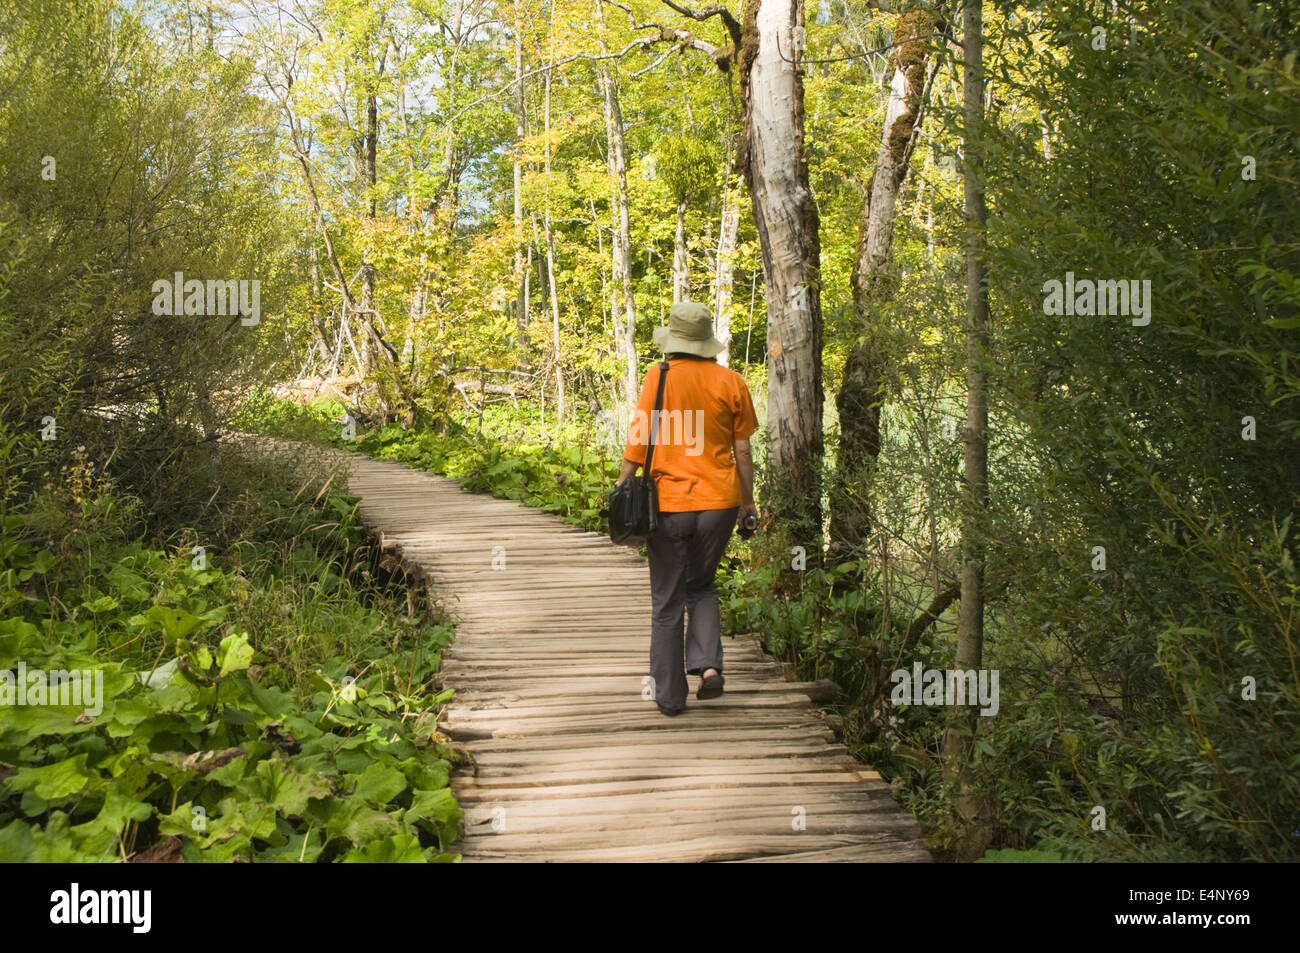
276,708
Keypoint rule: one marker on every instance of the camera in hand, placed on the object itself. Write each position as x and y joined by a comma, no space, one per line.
747,526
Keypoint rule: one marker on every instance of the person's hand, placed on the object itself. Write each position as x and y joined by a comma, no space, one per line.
626,470
746,509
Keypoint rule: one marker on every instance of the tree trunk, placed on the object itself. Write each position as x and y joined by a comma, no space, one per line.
528,274
959,735
550,268
785,215
313,197
622,304
555,324
861,387
317,307
368,174
413,322
444,203
621,272
448,198
681,261
725,265
521,131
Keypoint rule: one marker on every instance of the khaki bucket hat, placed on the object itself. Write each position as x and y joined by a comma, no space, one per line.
689,331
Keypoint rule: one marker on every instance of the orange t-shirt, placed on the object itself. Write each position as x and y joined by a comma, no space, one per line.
706,406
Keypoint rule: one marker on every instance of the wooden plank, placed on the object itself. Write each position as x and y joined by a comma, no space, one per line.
717,847
639,812
820,828
524,790
684,734
660,753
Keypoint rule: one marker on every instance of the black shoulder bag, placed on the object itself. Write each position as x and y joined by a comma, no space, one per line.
634,504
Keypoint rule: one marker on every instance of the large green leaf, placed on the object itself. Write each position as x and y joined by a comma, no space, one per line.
288,788
234,654
354,820
398,849
17,637
175,624
53,782
380,783
439,806
17,842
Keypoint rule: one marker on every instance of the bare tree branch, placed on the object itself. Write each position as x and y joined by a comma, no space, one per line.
719,11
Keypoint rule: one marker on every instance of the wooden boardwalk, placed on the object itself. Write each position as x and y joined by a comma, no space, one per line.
572,763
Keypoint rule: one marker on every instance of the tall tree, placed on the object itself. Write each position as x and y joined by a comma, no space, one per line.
775,166
550,241
958,736
521,258
339,53
768,43
724,267
861,392
623,301
686,166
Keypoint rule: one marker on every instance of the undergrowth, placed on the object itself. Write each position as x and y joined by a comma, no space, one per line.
265,682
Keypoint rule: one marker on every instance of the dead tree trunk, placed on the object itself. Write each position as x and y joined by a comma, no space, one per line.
775,166
725,264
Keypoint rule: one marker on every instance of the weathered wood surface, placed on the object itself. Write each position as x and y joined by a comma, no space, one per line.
572,763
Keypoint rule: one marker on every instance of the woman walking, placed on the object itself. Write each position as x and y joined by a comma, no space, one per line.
704,477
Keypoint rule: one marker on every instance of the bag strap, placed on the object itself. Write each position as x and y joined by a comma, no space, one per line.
654,422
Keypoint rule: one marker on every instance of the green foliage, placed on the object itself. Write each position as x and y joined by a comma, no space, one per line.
567,481
115,178
1130,694
689,167
827,627
271,712
572,481
319,422
1009,856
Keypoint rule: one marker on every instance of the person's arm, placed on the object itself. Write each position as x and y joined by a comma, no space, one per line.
628,469
745,470
744,424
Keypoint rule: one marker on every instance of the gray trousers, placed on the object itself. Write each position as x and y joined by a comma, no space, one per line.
685,550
